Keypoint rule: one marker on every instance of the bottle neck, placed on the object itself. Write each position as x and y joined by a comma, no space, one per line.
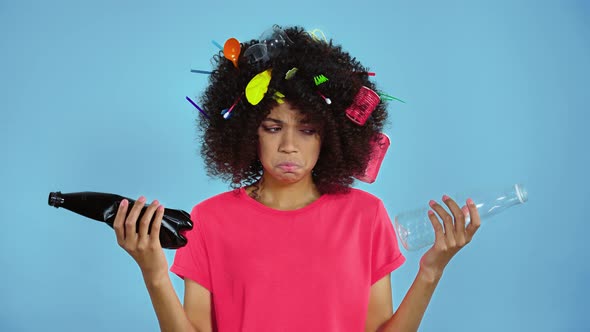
94,205
492,205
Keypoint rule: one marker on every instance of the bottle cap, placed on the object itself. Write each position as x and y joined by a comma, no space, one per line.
55,199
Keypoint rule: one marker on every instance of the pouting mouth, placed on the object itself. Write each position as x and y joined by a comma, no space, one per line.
288,164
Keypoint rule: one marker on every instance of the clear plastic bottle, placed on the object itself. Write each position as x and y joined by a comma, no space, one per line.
415,229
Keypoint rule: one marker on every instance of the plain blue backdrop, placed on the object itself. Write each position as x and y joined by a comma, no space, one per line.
92,99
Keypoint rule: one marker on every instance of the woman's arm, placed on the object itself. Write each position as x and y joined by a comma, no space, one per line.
167,306
146,250
409,314
448,241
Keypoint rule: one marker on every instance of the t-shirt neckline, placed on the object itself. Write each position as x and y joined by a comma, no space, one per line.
256,204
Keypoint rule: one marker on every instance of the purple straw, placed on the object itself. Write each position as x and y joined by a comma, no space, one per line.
195,105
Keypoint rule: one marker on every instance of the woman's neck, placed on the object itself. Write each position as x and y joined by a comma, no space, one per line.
283,196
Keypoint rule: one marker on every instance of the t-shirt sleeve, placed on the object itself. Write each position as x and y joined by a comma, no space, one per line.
192,260
385,253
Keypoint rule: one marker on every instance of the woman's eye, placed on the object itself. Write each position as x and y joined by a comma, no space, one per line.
309,131
271,129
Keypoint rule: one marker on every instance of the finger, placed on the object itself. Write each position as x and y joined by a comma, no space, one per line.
131,221
119,221
465,211
459,219
439,234
447,221
144,223
475,220
155,232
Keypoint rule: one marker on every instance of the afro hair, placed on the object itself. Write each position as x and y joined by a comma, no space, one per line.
229,146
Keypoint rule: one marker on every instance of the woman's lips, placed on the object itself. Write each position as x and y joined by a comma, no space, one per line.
288,166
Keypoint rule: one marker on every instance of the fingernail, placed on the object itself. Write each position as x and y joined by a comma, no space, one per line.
141,199
430,212
161,208
432,203
124,203
470,202
445,197
155,202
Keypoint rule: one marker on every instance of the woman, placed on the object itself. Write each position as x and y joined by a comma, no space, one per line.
292,247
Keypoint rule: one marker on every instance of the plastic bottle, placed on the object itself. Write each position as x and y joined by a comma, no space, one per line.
103,207
415,229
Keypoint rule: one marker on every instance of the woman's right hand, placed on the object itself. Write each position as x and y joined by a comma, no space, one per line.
145,248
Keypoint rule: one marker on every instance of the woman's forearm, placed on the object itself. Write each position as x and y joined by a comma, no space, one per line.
409,314
169,310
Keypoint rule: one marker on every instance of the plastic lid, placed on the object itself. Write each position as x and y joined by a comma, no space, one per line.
55,199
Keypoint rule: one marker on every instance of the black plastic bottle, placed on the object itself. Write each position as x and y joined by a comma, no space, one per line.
103,207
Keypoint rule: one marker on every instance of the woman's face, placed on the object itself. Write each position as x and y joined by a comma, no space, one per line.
289,146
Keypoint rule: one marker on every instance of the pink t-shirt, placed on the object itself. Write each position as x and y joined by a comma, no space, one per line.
309,269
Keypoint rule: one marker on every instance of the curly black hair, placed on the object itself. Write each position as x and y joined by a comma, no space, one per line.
229,146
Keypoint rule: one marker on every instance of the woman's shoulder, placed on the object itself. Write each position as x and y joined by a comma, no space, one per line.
220,200
359,196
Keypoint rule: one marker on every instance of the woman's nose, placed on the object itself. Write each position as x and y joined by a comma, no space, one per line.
288,141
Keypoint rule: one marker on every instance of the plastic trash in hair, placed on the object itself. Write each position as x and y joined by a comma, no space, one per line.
387,97
226,113
363,105
317,35
269,45
275,39
257,54
319,79
258,86
379,146
326,99
231,50
291,73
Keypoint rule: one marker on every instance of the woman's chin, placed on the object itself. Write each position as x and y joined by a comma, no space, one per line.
288,177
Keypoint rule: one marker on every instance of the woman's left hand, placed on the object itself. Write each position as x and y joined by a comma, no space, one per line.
450,239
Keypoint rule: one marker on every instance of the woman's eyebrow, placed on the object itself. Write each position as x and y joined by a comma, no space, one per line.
273,120
277,121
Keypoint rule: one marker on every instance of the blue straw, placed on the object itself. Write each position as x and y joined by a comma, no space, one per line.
195,105
201,71
217,44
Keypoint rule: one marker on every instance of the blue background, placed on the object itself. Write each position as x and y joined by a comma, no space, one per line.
93,99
